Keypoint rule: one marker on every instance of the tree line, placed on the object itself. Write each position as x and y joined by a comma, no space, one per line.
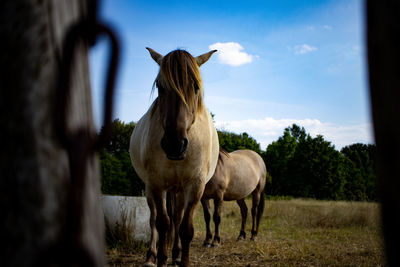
303,166
298,165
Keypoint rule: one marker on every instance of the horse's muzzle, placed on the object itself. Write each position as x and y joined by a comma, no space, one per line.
175,149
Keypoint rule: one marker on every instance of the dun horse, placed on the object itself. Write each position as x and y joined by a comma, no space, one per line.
174,148
238,174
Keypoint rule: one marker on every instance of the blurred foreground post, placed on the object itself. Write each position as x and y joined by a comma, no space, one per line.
34,166
383,40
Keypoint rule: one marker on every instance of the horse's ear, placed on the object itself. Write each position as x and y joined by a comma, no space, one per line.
204,57
156,56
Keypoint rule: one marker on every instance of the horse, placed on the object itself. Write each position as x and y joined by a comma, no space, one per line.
238,174
174,148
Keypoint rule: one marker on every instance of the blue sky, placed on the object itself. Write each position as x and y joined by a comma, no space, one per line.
278,63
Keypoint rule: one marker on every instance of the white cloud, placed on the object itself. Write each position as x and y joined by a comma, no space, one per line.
267,130
327,27
231,53
303,49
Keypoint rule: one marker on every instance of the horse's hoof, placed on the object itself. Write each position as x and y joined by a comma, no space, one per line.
215,245
176,262
149,264
207,245
240,238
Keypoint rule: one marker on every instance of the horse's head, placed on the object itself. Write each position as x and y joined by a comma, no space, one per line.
180,98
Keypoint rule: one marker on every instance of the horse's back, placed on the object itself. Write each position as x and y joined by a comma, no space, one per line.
247,171
254,159
248,160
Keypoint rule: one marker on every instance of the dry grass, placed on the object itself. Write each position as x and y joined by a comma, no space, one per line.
292,233
120,237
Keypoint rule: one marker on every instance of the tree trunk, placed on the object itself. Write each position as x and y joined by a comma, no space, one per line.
34,166
383,32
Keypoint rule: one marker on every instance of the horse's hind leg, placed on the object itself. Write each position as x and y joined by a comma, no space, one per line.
243,211
254,214
217,220
260,210
152,252
207,216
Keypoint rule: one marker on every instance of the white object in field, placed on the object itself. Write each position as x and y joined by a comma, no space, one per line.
132,211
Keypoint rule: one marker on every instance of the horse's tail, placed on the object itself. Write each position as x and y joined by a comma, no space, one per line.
171,214
261,205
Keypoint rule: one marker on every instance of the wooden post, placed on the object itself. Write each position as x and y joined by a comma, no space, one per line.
383,40
34,167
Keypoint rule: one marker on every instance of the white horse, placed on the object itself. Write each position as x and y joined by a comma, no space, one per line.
174,148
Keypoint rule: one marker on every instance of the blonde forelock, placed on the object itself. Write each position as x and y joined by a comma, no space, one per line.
180,72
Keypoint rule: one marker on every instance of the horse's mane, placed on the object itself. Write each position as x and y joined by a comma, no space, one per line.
180,72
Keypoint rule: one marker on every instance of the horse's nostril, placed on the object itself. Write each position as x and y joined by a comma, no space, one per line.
164,144
174,148
185,143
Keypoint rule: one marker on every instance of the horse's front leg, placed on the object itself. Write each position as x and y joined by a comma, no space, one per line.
162,225
217,220
186,231
152,252
178,204
243,211
207,216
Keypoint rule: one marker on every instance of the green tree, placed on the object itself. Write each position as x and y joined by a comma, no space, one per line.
303,166
121,136
317,170
114,180
277,158
232,141
362,158
118,175
354,188
298,165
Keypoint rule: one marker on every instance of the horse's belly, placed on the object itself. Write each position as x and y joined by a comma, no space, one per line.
236,195
239,188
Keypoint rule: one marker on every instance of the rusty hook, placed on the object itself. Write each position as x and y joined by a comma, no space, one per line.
82,142
79,31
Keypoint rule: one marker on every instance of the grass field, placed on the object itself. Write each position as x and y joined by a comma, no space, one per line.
292,233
